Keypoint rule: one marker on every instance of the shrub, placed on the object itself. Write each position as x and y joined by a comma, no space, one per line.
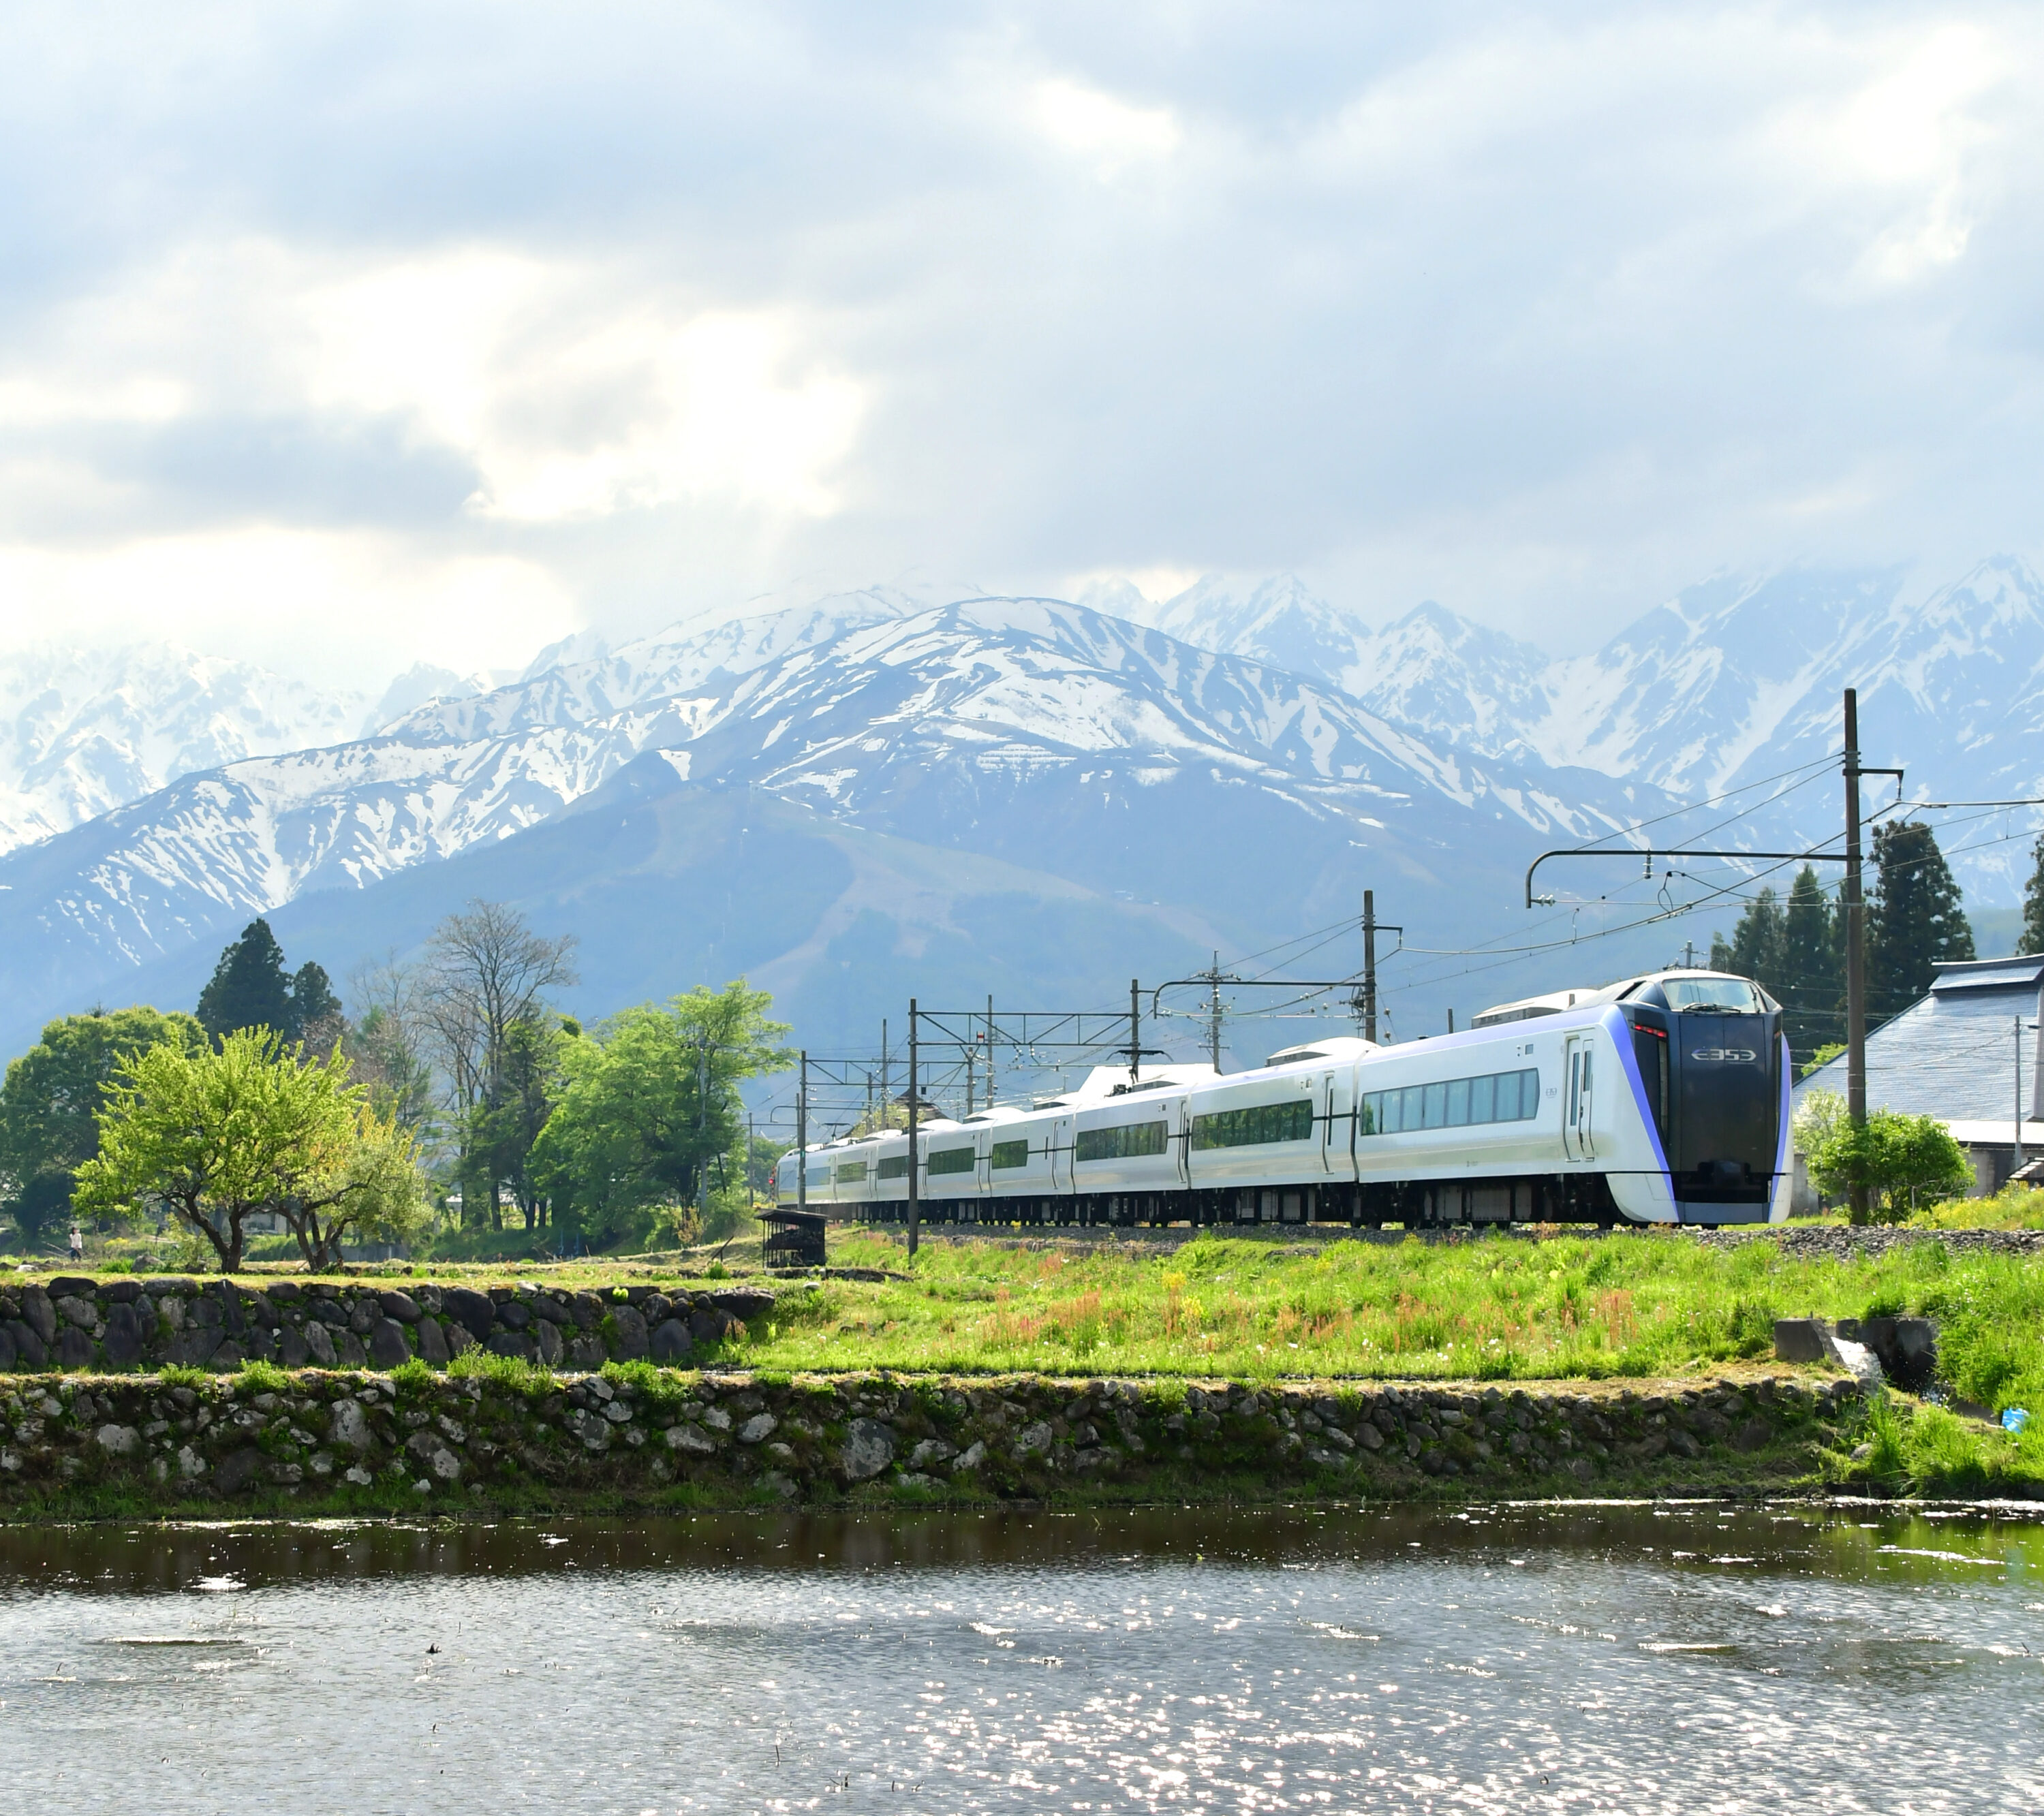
262,1377
412,1377
1900,1162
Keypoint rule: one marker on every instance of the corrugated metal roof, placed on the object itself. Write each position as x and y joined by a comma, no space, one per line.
2012,975
1954,1054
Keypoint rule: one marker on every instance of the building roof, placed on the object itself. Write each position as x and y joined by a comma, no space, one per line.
1954,1054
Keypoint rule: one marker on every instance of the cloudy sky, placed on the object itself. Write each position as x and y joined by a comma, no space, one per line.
339,335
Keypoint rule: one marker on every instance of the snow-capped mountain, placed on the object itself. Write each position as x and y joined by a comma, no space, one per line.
88,730
1730,682
1030,731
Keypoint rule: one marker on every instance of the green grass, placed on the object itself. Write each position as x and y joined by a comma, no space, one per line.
1497,1309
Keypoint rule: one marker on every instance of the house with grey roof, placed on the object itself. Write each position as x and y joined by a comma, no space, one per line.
1967,1053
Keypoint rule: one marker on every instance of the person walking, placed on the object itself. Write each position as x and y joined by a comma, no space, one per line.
77,1244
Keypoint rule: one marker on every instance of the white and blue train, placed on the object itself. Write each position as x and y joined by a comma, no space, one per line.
1663,1099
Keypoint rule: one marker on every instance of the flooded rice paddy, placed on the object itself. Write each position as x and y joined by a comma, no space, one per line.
1595,1657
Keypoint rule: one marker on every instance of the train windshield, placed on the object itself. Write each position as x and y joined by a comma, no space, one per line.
1715,995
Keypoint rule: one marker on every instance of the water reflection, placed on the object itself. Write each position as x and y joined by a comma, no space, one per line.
1596,1657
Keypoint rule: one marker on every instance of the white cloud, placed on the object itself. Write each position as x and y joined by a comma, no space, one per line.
1539,310
1109,133
581,391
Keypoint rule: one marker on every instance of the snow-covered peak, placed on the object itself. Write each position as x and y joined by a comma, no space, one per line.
85,730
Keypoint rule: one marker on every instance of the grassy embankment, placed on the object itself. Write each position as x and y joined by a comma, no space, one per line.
1630,1306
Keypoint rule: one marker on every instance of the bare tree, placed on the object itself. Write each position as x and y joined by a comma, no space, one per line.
486,973
387,1038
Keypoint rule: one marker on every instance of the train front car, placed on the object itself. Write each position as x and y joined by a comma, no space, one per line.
1714,1073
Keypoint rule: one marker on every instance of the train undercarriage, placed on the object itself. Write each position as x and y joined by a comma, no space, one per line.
1420,1204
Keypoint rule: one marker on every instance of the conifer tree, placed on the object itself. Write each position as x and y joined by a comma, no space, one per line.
1756,942
1812,980
316,1015
1914,922
249,989
2032,941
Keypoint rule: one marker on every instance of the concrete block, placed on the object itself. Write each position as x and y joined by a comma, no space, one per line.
1799,1340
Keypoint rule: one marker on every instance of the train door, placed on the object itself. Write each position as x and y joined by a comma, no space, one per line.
1181,1139
1060,1141
1578,1132
1331,1156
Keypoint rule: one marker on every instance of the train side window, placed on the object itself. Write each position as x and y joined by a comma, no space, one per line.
1010,1153
1254,1125
851,1172
951,1159
896,1168
1131,1140
1495,1097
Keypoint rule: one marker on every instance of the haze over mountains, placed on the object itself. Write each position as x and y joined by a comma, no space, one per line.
876,794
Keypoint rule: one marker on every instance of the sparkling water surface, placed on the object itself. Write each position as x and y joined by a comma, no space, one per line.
1594,1657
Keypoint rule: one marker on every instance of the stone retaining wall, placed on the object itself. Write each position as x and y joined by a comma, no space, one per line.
73,1323
647,1435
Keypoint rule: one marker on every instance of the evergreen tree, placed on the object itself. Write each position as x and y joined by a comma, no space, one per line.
249,989
1812,980
1756,942
316,1015
2032,941
1914,922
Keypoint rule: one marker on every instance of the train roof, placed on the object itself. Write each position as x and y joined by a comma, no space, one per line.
1558,1002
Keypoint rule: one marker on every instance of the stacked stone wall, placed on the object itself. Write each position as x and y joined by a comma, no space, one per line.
72,1323
645,1435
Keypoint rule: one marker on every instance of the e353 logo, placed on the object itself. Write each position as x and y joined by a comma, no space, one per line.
1728,1055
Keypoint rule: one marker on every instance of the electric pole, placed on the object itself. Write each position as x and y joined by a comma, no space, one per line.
1370,967
1850,901
990,1050
884,1100
1135,1030
802,1135
1213,1014
915,1196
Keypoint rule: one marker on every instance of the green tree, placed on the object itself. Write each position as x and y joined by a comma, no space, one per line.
2032,941
1902,1163
1810,980
249,987
50,1103
651,1111
316,1012
223,1133
504,1127
1914,922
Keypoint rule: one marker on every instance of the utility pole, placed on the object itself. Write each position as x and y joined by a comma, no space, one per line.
2018,1167
1688,955
886,1102
1213,1014
1855,914
1370,966
971,1067
1135,1031
989,1049
802,1136
915,1196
